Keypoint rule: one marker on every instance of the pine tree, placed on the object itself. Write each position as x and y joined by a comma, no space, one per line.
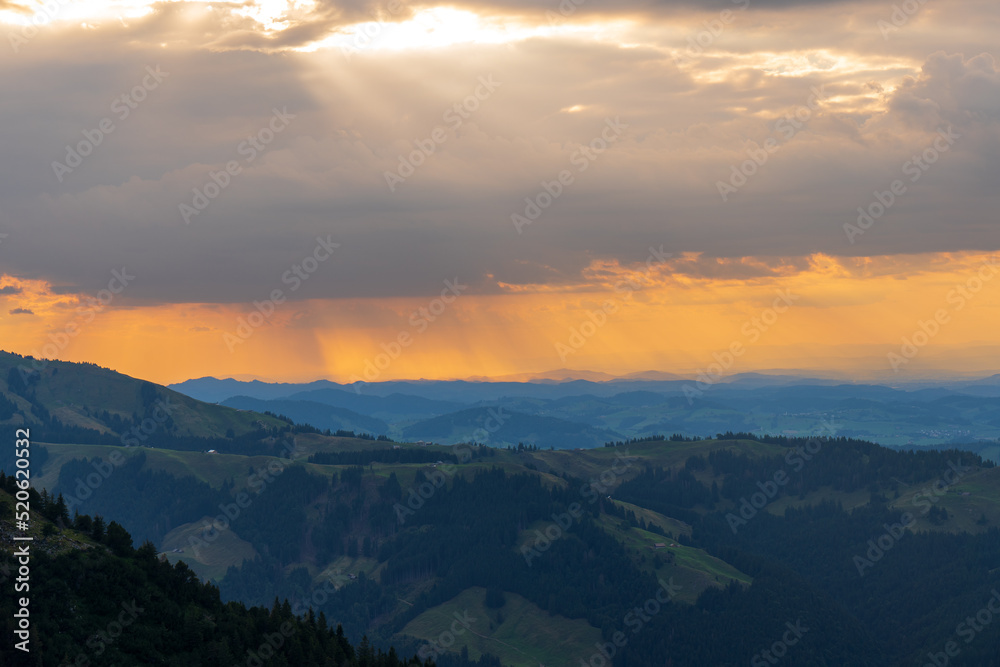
61,512
97,528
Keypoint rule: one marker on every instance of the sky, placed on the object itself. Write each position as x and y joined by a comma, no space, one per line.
389,190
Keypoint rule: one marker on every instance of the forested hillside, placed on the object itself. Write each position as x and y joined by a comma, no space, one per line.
96,600
684,549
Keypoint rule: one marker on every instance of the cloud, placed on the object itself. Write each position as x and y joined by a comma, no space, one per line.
10,290
689,126
16,7
20,311
951,90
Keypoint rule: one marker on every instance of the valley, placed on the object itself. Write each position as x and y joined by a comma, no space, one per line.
553,551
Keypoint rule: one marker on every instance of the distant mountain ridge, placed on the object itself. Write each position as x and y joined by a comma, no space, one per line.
643,405
499,427
320,415
215,390
379,406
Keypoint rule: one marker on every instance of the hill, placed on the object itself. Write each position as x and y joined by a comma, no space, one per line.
499,427
320,415
96,600
921,414
393,407
72,401
723,540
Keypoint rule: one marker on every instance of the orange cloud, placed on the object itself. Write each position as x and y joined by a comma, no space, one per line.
819,313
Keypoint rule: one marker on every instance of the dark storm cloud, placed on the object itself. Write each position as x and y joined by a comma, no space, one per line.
324,175
951,90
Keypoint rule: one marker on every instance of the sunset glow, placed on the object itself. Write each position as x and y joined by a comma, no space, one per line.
666,318
534,154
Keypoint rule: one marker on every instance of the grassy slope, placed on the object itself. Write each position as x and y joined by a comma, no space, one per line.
673,526
848,499
526,637
212,561
871,420
71,390
964,511
694,569
589,463
212,469
62,541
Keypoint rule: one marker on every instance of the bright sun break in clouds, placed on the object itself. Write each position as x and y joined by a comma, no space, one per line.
426,27
442,27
